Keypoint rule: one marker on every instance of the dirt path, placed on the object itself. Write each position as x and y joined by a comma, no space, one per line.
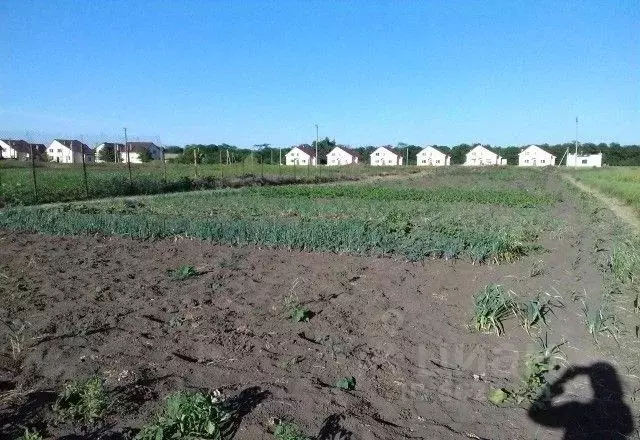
625,213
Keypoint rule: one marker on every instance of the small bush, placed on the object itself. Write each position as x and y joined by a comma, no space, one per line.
83,401
190,415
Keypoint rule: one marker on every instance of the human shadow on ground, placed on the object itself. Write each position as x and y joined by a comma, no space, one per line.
332,429
604,417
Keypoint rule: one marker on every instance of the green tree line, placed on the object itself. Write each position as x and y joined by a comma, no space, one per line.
613,154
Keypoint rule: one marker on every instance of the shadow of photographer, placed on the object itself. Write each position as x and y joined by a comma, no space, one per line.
604,417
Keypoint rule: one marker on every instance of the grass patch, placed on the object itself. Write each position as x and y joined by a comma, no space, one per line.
190,415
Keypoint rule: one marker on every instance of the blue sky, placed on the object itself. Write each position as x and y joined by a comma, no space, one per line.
368,72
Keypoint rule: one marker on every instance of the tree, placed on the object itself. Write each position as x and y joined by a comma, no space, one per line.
107,154
145,156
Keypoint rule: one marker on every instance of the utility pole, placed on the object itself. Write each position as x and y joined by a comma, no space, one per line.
317,144
575,158
126,149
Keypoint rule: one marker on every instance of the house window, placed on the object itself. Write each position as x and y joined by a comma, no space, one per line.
377,153
584,161
59,150
437,161
526,161
542,161
50,150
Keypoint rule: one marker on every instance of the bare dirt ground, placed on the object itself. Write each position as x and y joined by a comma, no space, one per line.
107,305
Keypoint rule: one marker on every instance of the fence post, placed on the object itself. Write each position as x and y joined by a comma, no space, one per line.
195,161
295,176
164,165
33,173
84,173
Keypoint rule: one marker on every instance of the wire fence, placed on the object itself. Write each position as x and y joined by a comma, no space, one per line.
28,179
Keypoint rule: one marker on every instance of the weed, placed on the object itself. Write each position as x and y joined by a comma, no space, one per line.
190,415
288,431
600,320
291,305
83,401
534,380
183,272
346,383
30,435
176,321
491,307
16,330
536,269
534,311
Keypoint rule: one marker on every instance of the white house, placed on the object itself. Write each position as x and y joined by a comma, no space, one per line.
385,156
69,151
433,156
117,148
19,149
534,156
481,156
137,149
300,155
584,160
342,156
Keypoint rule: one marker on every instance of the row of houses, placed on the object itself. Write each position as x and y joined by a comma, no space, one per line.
531,156
72,151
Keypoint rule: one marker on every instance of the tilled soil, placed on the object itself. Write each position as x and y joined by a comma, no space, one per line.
108,305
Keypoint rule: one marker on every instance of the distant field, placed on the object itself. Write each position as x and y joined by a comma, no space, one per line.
61,183
622,183
475,214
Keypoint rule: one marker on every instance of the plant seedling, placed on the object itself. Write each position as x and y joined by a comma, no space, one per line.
30,435
491,307
190,415
346,383
600,321
288,431
183,272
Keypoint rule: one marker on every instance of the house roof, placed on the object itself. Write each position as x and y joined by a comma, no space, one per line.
535,146
39,148
347,150
435,147
305,149
18,145
139,147
75,146
493,150
112,145
390,149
